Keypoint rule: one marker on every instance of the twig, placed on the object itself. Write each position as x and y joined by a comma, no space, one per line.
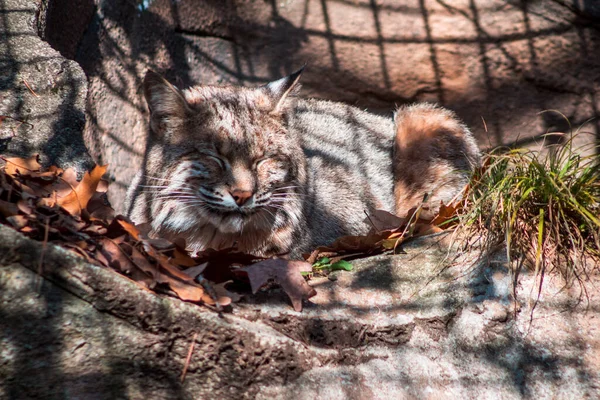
189,357
41,262
21,122
371,221
30,89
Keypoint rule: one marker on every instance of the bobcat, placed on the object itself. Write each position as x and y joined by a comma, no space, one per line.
269,173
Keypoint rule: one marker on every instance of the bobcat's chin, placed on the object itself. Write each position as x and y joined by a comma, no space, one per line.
232,223
237,221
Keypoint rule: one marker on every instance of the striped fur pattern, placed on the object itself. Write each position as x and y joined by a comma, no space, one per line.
268,173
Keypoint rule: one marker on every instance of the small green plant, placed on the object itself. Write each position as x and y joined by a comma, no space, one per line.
545,208
324,265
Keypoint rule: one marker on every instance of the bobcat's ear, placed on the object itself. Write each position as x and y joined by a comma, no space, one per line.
165,101
279,90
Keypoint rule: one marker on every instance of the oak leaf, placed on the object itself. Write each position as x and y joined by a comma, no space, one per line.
382,220
22,166
446,213
285,273
114,256
189,291
128,227
78,199
8,209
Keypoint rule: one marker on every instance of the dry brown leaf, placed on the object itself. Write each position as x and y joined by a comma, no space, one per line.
115,257
95,229
22,166
55,170
98,210
160,243
45,178
76,248
129,227
144,229
223,293
182,258
354,244
25,207
173,270
66,183
102,186
426,229
69,223
25,191
220,263
193,272
29,230
18,221
285,273
446,213
87,225
382,220
141,262
99,256
165,264
8,209
77,200
212,292
188,291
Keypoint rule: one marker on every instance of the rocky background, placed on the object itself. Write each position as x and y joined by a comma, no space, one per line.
416,325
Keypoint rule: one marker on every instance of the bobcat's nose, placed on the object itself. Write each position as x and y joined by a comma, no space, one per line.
241,196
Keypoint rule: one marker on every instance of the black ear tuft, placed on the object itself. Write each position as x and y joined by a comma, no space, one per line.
165,101
280,89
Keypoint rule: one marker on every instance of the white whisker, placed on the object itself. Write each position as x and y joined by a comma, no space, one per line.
159,179
289,186
167,196
167,187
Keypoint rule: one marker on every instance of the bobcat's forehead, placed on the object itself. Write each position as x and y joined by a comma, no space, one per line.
239,120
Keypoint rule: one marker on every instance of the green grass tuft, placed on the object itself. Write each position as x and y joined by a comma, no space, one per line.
545,207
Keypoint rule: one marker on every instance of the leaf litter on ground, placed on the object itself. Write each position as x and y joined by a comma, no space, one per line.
388,232
50,205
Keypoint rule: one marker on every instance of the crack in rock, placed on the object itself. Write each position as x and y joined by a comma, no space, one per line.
340,334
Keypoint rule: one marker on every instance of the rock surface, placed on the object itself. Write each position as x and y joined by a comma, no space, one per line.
42,94
414,325
497,63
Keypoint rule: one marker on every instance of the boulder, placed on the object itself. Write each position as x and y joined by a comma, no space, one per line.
42,94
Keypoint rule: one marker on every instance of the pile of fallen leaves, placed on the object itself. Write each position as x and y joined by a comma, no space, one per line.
50,205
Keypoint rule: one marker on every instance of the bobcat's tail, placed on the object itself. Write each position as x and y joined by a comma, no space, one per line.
434,155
